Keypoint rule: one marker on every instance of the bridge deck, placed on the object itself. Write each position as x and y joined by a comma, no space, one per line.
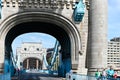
37,76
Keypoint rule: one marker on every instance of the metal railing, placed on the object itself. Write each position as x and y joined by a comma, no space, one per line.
5,76
55,53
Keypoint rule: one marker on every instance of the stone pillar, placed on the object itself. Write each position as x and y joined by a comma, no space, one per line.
97,36
1,68
37,64
2,56
43,65
27,63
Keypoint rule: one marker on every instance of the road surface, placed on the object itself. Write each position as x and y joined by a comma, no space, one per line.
37,76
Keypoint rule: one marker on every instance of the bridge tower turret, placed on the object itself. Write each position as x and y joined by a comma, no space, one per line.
97,33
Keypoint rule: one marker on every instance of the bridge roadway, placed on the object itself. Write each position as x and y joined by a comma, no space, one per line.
37,76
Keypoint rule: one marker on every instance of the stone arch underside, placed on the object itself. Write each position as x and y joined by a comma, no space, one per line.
56,25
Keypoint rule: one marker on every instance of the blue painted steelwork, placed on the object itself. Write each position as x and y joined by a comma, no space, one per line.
13,65
55,53
65,67
5,76
10,65
8,69
79,11
61,72
6,66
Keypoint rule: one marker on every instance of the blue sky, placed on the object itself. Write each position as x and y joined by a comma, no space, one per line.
48,41
113,18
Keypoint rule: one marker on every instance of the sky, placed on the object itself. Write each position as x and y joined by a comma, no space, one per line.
113,18
49,41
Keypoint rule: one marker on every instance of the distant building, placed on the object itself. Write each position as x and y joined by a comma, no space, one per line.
113,57
116,39
50,53
30,55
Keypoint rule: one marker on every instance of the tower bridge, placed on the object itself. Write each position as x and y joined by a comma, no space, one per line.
30,55
79,25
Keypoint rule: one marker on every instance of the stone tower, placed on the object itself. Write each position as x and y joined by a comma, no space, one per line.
55,17
97,36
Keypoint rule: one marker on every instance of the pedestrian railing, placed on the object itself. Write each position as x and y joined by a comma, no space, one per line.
5,76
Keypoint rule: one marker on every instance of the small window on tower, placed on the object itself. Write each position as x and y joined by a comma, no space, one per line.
37,49
25,49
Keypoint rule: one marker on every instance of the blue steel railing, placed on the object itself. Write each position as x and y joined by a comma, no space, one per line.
55,53
56,49
5,76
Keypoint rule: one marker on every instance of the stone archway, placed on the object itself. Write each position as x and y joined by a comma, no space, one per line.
60,27
32,63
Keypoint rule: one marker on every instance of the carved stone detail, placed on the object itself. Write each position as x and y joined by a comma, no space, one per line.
25,4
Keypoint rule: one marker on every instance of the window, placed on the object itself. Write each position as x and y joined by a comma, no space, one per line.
25,49
21,63
37,49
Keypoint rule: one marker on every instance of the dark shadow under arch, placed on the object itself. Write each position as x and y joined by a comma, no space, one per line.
43,27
